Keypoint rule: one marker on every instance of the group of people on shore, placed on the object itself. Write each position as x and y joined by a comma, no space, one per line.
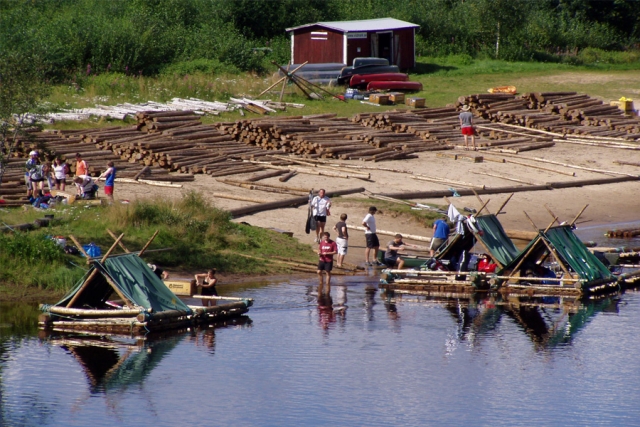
56,174
327,248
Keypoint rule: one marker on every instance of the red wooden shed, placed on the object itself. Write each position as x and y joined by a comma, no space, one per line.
341,41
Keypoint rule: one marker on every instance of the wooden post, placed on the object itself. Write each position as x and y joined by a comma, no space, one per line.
119,243
287,75
148,243
144,169
112,248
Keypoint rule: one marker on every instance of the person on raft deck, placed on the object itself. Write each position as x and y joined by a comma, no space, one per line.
207,282
466,126
440,234
391,257
326,250
321,206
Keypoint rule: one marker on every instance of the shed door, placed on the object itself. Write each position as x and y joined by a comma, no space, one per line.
385,46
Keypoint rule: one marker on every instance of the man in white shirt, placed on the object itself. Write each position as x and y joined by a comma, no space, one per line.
321,206
369,222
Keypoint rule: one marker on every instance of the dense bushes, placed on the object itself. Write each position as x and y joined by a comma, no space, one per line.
134,37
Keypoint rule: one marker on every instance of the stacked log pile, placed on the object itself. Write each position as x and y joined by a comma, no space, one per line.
327,136
560,112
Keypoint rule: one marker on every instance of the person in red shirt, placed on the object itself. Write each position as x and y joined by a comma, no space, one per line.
326,250
486,265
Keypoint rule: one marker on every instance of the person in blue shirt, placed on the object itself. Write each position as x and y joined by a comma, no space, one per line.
110,177
440,234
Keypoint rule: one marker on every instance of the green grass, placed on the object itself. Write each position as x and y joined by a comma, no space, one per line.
200,235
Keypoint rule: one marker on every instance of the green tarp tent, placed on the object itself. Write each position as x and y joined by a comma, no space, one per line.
133,278
572,252
493,236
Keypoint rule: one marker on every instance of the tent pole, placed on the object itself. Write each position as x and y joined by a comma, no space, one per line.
148,243
80,248
112,248
552,214
504,204
120,294
482,208
579,215
119,243
481,201
84,286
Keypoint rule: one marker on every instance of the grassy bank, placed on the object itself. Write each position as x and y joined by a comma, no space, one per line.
200,236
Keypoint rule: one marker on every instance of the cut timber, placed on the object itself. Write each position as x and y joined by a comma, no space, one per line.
437,194
455,156
265,175
443,181
393,233
288,176
298,201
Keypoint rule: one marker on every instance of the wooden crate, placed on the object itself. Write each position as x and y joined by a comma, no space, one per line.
415,102
180,287
626,106
379,98
396,97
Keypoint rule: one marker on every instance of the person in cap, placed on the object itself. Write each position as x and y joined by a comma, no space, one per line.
30,166
466,125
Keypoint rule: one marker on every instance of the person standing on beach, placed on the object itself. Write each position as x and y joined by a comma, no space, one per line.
466,125
30,167
321,206
343,238
81,169
60,174
369,223
326,250
110,175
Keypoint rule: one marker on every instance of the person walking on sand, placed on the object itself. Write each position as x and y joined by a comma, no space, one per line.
326,250
342,241
207,282
369,223
321,206
466,125
110,177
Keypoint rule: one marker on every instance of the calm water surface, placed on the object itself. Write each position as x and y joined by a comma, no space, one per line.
360,359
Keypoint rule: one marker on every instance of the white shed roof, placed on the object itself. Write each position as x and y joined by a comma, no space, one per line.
362,25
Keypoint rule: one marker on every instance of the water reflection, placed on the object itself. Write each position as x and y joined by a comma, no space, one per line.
113,363
548,321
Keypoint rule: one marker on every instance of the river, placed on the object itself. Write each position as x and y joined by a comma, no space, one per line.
359,359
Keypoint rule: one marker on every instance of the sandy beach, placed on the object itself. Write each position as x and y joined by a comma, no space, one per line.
608,203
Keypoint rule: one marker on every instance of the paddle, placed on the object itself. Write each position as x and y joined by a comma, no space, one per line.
307,228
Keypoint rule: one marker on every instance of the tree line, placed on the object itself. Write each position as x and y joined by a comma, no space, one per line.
72,37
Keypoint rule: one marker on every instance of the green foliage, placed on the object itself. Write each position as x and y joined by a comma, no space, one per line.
76,38
202,65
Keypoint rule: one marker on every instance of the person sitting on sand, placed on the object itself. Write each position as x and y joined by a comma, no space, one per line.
207,282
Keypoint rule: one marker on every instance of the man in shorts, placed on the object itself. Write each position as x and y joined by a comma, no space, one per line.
369,223
343,238
440,234
391,257
466,125
321,206
326,250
